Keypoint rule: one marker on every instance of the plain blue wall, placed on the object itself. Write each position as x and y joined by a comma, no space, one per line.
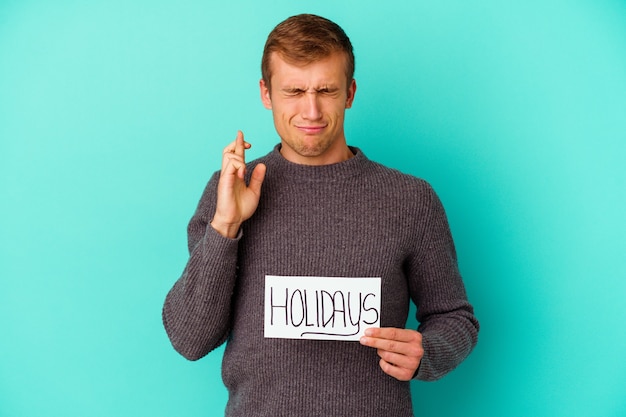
113,115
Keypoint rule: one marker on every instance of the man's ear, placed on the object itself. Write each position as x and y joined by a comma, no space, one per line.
265,95
351,93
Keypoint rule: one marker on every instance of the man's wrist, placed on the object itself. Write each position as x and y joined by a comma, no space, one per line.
228,230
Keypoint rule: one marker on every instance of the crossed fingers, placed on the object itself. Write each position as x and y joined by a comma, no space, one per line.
233,158
236,200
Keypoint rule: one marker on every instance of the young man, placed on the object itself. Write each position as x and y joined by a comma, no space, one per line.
315,207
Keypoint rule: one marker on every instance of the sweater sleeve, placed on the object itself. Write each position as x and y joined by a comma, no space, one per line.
196,312
447,322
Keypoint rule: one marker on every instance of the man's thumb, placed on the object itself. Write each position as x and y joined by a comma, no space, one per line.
257,177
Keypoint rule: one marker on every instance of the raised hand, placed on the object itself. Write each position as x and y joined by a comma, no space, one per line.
236,201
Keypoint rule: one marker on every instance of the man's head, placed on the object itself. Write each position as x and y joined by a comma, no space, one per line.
309,62
303,39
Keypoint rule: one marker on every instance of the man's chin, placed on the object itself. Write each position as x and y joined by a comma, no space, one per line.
302,151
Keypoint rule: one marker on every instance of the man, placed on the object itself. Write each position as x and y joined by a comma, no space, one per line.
315,207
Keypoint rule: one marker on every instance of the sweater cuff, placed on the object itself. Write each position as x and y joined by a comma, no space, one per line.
222,245
424,370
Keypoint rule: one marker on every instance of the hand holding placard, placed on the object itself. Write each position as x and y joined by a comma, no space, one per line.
400,350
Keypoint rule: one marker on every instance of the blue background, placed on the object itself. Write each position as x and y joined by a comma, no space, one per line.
113,115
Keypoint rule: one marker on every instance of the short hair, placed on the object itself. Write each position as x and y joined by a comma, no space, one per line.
303,39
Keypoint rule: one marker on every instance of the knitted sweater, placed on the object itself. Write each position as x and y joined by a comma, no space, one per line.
356,218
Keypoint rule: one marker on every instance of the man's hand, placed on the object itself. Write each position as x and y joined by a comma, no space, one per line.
400,350
236,201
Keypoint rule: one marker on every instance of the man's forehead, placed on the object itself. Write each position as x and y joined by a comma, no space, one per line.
329,69
338,57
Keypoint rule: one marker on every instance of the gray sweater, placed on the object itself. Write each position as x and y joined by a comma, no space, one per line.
352,219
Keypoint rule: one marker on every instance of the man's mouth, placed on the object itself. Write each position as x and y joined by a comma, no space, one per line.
311,130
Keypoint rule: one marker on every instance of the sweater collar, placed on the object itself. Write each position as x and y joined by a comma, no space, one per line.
347,168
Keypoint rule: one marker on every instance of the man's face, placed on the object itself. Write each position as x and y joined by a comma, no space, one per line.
308,104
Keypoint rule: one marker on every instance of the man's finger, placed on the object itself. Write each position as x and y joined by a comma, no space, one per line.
231,163
403,341
240,144
392,333
231,147
399,360
403,348
401,374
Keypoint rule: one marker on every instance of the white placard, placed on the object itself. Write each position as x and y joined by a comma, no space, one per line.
327,308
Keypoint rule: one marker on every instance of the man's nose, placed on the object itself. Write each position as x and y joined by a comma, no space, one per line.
311,109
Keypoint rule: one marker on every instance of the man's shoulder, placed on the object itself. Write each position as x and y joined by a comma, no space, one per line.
395,177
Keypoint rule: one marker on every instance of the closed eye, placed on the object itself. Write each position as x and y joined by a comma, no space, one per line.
293,91
327,90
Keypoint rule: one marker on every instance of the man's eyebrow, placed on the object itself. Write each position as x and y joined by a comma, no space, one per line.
292,89
325,88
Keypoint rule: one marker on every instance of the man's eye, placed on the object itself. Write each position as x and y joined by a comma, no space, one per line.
327,91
